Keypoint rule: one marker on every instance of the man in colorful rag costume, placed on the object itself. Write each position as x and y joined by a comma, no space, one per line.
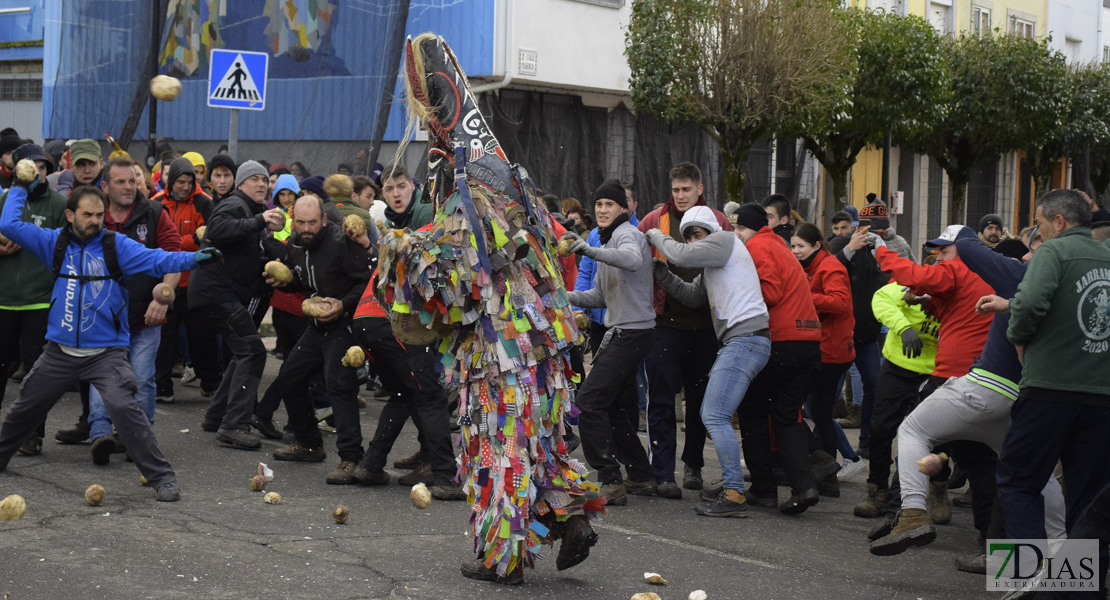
485,285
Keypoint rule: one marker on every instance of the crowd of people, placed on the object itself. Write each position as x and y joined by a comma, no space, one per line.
992,349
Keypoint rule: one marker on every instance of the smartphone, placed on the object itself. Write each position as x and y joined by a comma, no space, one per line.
865,222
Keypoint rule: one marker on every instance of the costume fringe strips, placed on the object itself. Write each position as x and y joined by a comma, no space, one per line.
485,284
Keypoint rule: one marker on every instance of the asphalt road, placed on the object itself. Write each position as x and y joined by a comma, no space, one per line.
222,541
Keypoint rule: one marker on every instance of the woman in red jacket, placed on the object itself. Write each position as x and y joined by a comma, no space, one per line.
832,296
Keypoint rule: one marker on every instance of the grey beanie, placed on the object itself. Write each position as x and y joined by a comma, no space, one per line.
247,170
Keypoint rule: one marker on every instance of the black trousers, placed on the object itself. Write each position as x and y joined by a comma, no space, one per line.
820,403
410,371
779,391
678,360
22,337
322,351
604,424
596,333
289,328
202,347
897,392
233,402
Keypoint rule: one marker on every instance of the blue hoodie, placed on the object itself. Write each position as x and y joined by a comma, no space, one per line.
997,367
284,182
87,314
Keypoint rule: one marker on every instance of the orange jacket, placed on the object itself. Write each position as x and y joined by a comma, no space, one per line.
188,215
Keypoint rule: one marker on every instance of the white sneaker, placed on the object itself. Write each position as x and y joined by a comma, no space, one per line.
323,413
850,469
188,375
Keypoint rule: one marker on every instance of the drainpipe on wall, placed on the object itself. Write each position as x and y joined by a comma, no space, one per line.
508,64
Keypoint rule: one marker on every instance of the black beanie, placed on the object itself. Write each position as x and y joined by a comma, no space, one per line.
611,189
750,215
10,143
1012,248
989,220
220,160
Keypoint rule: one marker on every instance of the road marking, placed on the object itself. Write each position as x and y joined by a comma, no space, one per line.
687,546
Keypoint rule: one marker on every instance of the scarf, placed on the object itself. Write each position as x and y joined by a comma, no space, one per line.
606,233
400,220
809,259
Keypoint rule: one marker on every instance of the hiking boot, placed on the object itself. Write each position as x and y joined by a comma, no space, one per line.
31,446
640,488
853,419
730,503
871,506
476,569
238,438
342,474
615,494
210,426
411,462
297,452
368,477
940,505
972,564
78,435
840,408
168,492
421,474
691,478
799,502
829,487
912,527
447,492
577,538
102,449
822,465
669,490
265,427
755,499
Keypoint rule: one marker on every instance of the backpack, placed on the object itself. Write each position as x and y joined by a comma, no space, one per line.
110,258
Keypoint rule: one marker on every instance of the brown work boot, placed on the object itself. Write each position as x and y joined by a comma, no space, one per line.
940,505
421,474
342,474
912,527
853,419
370,476
577,538
615,494
640,488
297,452
872,504
411,462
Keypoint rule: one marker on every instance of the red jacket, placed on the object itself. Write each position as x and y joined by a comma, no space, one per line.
785,289
955,290
187,215
832,297
568,263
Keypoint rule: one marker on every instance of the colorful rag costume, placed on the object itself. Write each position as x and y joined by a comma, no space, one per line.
485,285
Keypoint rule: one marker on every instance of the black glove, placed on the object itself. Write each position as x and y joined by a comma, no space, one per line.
660,269
911,343
205,256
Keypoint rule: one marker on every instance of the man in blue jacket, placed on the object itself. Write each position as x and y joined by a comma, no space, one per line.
87,333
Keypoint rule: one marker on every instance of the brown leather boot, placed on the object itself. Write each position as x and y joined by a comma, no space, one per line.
872,504
912,527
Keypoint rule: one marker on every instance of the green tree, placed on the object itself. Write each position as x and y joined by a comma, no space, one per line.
899,86
1088,121
1006,92
737,68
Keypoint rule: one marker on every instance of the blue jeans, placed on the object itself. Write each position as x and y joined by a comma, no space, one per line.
144,351
867,362
737,364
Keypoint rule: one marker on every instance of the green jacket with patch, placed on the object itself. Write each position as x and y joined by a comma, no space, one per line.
1060,315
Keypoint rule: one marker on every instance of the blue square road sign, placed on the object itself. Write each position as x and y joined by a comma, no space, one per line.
237,79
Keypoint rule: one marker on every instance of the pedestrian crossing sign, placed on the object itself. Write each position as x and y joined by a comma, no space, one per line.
237,79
